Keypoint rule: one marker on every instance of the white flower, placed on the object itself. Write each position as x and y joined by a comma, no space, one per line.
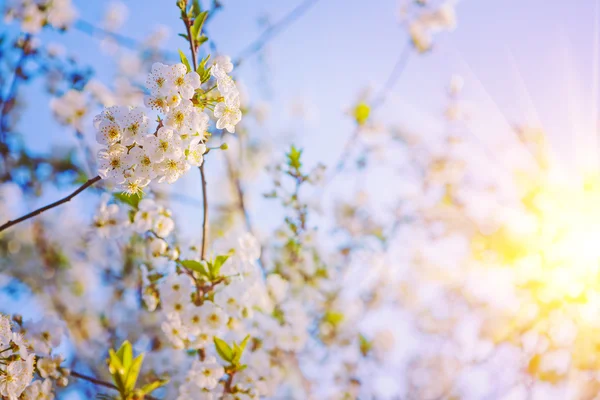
159,80
225,83
214,316
228,113
70,108
144,217
39,390
206,374
176,287
183,118
185,82
112,163
164,144
33,19
111,220
175,332
48,367
135,126
163,225
46,334
16,377
139,158
224,63
232,298
195,153
61,13
171,168
5,331
19,340
277,287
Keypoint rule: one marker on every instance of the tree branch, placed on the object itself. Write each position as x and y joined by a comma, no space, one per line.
188,28
100,382
52,205
273,30
93,380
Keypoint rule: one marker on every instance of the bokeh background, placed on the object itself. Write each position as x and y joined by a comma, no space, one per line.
532,63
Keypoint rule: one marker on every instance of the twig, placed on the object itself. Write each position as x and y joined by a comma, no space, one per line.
123,41
204,213
52,205
93,380
273,30
399,67
188,27
377,102
100,382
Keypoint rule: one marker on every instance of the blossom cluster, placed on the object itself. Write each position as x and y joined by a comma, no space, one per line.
426,22
35,14
16,370
133,157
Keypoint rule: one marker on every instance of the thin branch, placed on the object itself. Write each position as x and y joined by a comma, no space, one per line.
100,382
377,102
392,79
49,206
93,380
193,48
123,41
204,213
273,30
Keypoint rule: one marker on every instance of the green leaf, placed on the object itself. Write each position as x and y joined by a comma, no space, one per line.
133,200
184,60
183,35
149,388
333,317
197,266
364,345
195,8
115,366
133,373
125,354
198,23
244,342
215,267
361,113
294,158
223,349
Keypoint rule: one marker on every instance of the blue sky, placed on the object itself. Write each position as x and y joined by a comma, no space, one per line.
522,61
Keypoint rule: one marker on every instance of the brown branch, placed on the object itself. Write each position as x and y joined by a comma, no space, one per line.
93,380
100,382
52,205
188,28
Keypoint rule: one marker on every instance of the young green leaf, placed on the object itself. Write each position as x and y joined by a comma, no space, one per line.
150,387
225,352
133,373
361,113
184,61
197,266
198,23
294,158
133,200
